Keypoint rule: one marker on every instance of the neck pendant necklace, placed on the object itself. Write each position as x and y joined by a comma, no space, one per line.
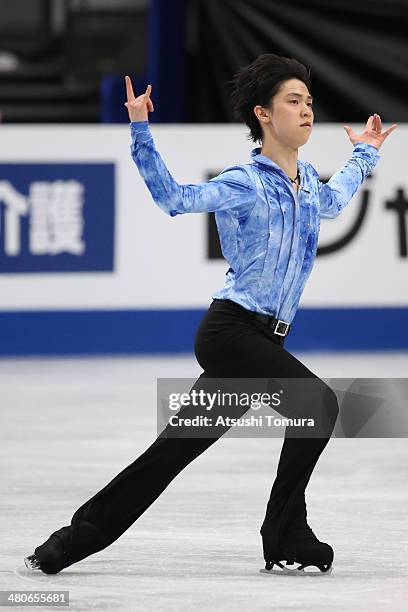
297,178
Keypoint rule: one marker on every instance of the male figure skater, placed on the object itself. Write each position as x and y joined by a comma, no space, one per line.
268,217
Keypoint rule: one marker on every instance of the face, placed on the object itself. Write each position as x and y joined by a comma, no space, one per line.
289,110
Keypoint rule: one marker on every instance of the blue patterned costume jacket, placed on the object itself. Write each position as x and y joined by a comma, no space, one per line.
268,232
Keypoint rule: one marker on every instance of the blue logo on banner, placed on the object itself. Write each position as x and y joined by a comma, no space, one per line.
56,217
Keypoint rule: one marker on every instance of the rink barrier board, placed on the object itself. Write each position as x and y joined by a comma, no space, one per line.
89,332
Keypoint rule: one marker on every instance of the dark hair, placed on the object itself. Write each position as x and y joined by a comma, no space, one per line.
258,83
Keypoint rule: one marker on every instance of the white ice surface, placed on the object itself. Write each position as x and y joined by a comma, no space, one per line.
69,425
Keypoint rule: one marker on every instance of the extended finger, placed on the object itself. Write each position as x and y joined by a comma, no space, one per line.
129,89
378,124
391,129
147,92
375,123
350,131
370,123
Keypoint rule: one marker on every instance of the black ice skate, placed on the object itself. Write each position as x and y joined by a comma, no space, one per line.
302,550
51,557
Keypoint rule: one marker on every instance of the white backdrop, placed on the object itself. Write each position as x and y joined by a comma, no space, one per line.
161,261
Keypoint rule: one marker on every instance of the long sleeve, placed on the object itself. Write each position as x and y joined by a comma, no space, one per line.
338,191
231,190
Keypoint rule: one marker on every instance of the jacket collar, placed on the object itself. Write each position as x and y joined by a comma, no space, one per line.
258,158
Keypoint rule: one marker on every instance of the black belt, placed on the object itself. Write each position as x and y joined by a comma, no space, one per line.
279,327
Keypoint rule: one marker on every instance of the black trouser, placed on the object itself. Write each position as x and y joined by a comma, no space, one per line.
229,344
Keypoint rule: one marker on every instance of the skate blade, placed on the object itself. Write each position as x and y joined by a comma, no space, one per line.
32,562
308,571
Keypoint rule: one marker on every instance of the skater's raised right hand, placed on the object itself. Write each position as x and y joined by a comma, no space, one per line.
140,107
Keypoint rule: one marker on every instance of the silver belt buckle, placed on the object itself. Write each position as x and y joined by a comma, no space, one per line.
281,333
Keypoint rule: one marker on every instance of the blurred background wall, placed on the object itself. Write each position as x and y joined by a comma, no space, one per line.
89,264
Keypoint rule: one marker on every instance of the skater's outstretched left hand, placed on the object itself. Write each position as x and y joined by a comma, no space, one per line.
372,134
